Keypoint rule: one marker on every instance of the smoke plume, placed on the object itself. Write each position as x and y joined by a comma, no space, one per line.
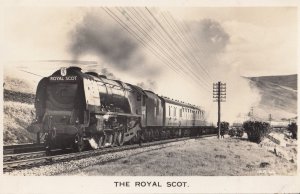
108,74
211,36
213,42
97,36
148,85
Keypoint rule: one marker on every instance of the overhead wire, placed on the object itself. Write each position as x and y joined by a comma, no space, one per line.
163,54
156,42
132,32
136,36
188,42
31,73
171,46
168,35
189,55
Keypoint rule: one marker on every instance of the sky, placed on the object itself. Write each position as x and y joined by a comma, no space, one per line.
175,51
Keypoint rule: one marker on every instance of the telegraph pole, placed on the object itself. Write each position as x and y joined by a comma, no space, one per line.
219,95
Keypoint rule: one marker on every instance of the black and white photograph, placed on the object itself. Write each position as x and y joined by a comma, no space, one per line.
150,91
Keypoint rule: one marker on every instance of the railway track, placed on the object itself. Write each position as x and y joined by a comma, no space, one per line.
22,148
20,161
23,156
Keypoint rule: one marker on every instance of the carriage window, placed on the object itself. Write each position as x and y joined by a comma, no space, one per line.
180,112
175,111
169,111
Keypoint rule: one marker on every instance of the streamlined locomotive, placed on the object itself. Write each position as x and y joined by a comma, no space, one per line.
80,109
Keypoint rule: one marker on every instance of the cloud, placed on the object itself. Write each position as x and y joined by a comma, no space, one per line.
213,51
261,50
211,35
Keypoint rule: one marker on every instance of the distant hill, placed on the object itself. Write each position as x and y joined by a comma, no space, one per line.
278,96
283,80
18,84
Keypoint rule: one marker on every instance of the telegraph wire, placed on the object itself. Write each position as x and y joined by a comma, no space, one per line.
31,73
194,62
186,41
167,33
137,37
150,37
135,33
172,39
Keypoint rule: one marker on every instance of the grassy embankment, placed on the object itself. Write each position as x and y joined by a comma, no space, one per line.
202,157
18,112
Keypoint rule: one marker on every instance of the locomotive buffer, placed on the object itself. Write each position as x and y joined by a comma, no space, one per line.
219,95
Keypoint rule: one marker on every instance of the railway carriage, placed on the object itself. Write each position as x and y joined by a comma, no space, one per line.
86,109
182,119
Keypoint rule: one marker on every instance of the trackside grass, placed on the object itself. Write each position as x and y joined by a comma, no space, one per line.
17,118
200,157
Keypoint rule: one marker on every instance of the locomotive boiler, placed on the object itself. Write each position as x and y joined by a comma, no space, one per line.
77,109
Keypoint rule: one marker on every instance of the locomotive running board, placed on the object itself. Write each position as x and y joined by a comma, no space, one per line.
119,114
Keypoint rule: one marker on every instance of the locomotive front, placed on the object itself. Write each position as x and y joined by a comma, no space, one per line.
60,107
76,109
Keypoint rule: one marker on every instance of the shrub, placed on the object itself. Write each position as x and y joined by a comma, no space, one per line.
293,128
236,132
256,130
239,132
232,132
224,126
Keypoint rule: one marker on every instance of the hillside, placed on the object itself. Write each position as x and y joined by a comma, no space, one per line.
17,119
278,96
18,111
283,80
18,84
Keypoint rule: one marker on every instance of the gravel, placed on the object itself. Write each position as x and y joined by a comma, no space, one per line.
65,167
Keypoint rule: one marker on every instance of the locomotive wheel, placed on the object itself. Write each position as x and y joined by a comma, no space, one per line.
151,135
120,138
80,144
115,139
48,145
156,134
167,134
109,140
101,141
179,132
145,136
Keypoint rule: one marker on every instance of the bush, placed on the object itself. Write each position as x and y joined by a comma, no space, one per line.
224,126
236,132
256,130
232,132
239,132
293,128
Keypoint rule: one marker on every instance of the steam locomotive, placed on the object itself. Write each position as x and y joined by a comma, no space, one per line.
80,110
